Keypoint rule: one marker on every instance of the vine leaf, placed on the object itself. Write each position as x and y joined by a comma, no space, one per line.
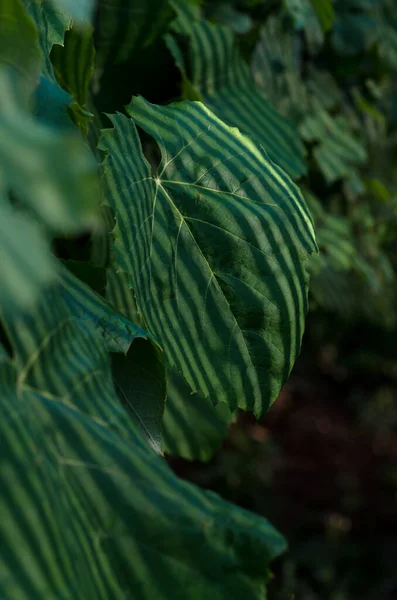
214,246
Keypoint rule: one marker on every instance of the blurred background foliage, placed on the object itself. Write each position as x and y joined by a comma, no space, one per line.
322,465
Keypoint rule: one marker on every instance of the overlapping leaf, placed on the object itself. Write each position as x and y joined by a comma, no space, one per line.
214,246
139,376
191,426
87,508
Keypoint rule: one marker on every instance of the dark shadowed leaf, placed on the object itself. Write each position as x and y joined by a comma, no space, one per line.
192,427
140,382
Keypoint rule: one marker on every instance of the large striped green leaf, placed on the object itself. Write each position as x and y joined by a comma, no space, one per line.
214,246
88,510
216,70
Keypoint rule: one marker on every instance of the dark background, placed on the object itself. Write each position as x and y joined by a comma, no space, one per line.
322,467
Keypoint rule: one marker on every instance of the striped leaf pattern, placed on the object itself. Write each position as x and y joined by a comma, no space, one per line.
88,510
62,346
74,63
51,25
74,66
186,13
214,246
223,80
191,426
67,47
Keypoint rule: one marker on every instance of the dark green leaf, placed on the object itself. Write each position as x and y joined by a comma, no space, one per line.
219,237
